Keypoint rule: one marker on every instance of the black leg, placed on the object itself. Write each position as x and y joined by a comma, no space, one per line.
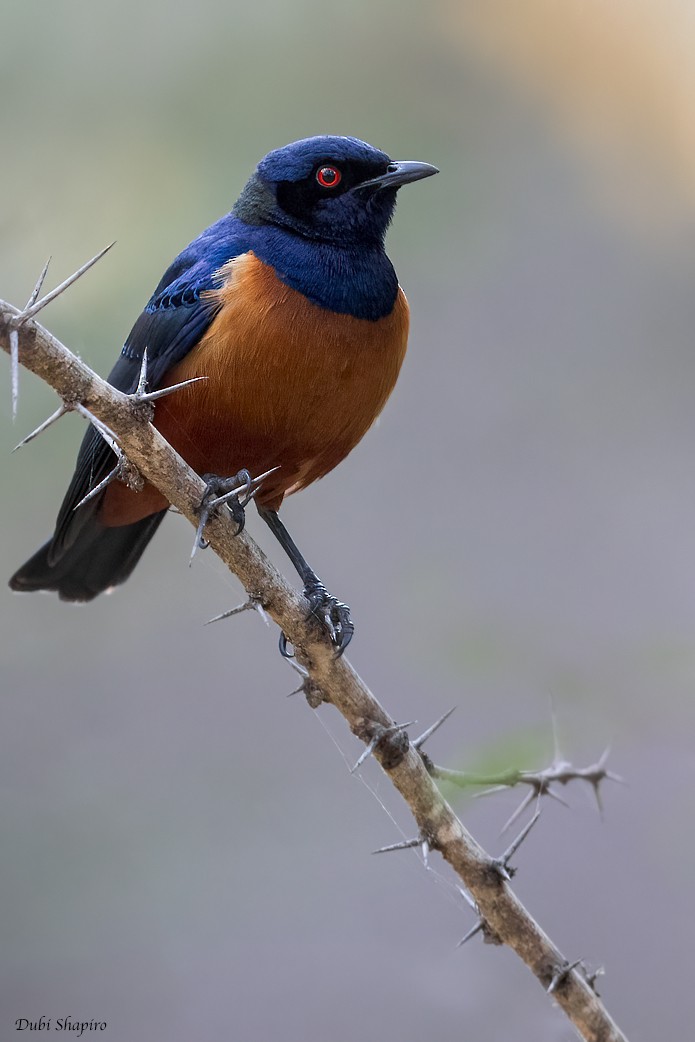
323,607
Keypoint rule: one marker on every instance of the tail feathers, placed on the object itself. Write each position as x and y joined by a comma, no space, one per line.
99,558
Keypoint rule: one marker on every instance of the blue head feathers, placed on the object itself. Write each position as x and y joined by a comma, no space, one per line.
311,187
318,210
298,160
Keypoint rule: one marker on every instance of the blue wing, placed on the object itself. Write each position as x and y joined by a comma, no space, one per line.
176,315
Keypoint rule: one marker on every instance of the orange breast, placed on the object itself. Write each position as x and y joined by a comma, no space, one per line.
289,385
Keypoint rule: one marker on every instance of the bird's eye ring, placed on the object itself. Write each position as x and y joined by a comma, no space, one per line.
329,176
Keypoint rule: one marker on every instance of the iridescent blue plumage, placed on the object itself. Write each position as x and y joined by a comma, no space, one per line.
316,213
335,258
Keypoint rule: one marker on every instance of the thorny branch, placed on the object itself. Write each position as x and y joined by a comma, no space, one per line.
325,678
540,783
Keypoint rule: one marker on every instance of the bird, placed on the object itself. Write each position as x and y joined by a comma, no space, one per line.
290,311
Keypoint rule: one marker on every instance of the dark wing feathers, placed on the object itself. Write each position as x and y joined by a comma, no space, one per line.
174,319
168,330
94,461
101,558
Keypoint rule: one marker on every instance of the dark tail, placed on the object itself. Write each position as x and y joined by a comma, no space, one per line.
99,558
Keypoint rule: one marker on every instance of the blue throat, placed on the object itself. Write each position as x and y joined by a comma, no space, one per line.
351,280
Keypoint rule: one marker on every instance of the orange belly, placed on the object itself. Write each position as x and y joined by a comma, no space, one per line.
288,384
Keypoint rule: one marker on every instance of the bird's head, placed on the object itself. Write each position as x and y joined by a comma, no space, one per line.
329,189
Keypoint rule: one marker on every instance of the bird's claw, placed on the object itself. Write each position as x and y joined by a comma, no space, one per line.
332,613
221,491
228,490
284,645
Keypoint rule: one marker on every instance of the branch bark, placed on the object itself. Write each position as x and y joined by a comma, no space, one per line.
503,918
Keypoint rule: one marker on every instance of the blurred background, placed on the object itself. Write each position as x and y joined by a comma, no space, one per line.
184,851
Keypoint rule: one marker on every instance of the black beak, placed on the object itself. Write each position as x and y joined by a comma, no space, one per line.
398,174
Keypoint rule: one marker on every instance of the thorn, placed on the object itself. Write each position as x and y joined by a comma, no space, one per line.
308,687
501,864
596,786
489,936
220,500
368,750
514,846
246,606
42,426
152,396
547,791
405,845
39,305
106,432
37,288
528,798
142,377
560,975
539,788
502,870
471,933
141,395
111,476
251,604
298,668
610,775
266,474
430,730
14,370
381,733
110,439
592,977
467,898
298,690
598,773
488,792
14,340
199,543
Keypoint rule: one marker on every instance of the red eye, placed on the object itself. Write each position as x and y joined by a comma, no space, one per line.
328,176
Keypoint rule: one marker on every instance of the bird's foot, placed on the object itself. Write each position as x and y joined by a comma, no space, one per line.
219,491
331,613
235,493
